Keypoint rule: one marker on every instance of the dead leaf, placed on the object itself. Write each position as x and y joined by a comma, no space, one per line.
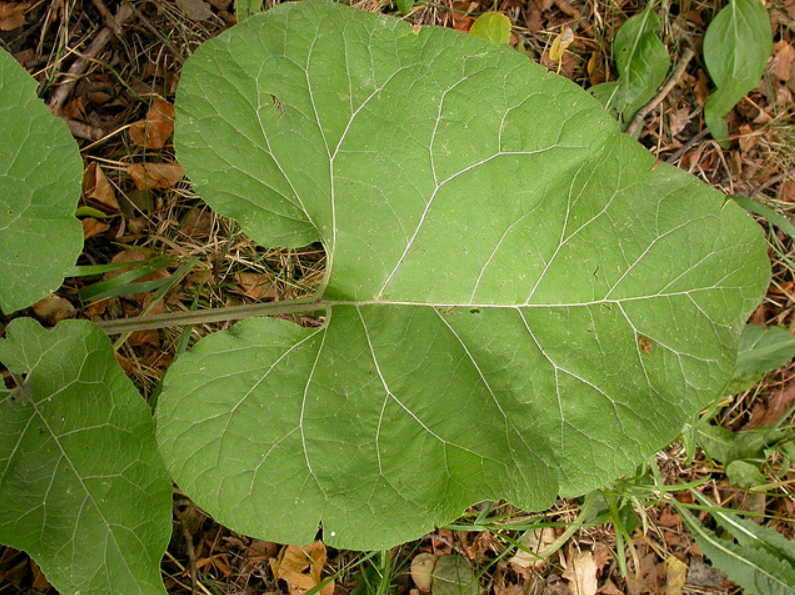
597,68
678,119
198,10
12,15
675,575
93,227
98,191
561,43
422,571
301,568
534,540
255,285
153,131
781,66
53,309
747,138
155,175
777,407
609,588
788,191
582,574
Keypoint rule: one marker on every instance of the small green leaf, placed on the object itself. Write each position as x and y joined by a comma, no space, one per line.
404,6
762,349
83,488
492,26
756,570
453,575
40,181
737,45
744,474
642,62
748,533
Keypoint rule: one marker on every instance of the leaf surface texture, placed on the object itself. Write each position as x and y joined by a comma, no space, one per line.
520,303
40,176
84,490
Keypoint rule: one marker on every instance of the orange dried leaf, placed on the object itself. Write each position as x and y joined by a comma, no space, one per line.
155,175
154,130
560,44
92,227
98,190
255,285
53,309
12,15
301,568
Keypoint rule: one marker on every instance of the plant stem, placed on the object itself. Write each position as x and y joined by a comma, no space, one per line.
142,323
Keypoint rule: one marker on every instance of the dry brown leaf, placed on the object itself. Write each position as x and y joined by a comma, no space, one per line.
561,42
781,66
198,10
12,15
678,119
155,175
675,575
581,573
301,568
92,227
53,309
609,588
777,407
422,570
98,191
255,285
788,191
537,541
153,131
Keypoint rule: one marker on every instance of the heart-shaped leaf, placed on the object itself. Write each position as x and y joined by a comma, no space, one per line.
40,177
737,45
518,302
83,488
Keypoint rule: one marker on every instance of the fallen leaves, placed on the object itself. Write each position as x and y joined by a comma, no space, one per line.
147,176
153,131
98,191
301,568
12,15
422,571
53,309
581,574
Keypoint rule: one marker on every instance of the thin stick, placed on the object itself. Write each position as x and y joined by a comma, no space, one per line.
672,81
142,323
80,65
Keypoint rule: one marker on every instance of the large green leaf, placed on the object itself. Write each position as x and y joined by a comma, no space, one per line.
519,303
40,173
736,47
642,62
83,488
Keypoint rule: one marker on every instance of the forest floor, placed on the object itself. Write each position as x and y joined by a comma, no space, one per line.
139,214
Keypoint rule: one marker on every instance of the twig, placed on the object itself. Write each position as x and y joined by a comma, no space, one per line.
678,70
80,65
687,146
108,17
774,180
194,575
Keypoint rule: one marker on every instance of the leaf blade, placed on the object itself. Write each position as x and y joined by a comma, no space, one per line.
40,181
78,464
